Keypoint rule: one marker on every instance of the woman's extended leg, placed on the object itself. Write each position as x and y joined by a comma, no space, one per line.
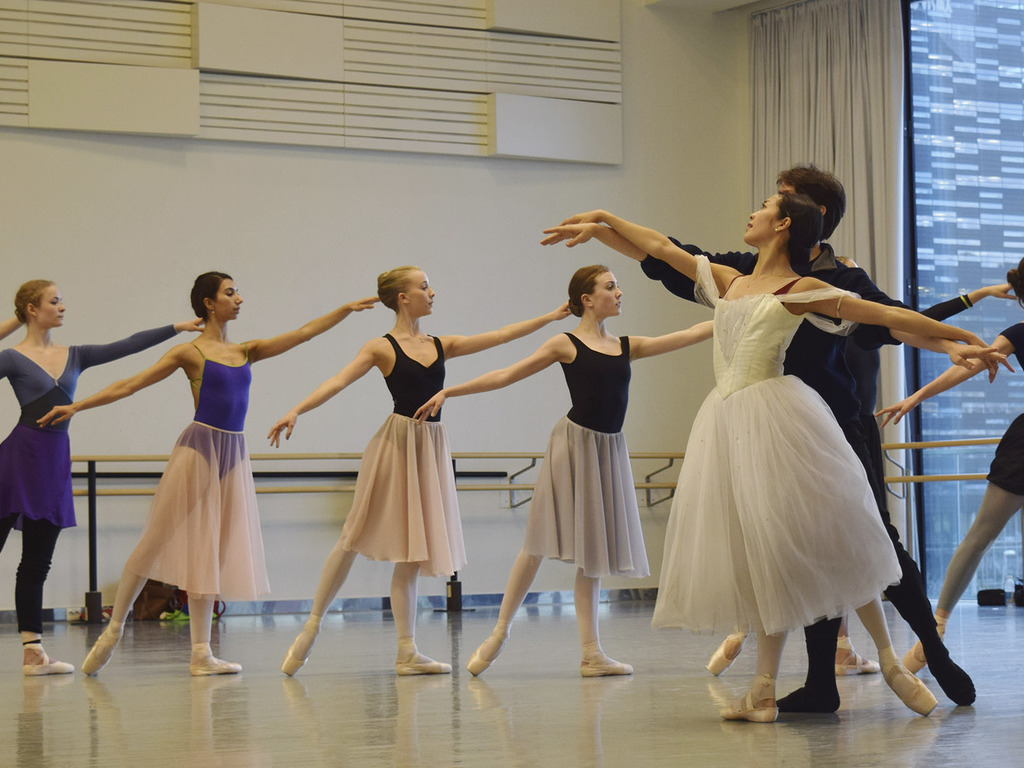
128,589
524,571
332,576
404,594
587,593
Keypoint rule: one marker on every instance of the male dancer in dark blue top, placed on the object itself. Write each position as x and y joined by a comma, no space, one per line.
818,358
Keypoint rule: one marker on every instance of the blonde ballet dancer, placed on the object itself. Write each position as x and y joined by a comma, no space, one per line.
584,507
404,509
203,530
748,546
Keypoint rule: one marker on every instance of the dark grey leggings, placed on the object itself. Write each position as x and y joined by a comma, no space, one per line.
38,539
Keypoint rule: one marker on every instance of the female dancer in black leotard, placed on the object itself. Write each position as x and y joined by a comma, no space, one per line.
203,530
404,509
1004,494
584,508
35,463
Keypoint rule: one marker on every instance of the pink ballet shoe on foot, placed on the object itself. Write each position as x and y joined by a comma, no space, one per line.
44,665
855,664
915,660
478,662
211,665
300,649
422,665
762,711
603,666
101,652
910,690
726,654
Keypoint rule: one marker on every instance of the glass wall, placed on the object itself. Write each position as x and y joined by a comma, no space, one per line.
966,129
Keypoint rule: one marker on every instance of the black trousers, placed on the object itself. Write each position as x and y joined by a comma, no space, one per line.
38,540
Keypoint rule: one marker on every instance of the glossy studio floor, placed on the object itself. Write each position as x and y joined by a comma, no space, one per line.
531,708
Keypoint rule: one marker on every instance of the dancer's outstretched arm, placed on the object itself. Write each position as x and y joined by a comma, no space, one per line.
557,349
374,353
948,379
611,230
454,346
261,349
648,346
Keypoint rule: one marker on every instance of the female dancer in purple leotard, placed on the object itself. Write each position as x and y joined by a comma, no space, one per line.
35,462
203,530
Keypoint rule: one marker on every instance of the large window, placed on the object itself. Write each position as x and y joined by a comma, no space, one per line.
966,129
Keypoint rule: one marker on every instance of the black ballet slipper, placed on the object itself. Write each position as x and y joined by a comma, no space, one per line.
806,700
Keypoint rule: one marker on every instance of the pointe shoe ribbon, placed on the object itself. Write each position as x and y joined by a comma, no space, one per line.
855,664
910,690
762,711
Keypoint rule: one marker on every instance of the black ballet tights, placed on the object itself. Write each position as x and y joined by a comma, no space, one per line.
38,540
819,692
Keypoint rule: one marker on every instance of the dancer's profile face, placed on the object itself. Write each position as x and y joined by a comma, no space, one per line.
605,297
762,223
418,294
49,312
228,302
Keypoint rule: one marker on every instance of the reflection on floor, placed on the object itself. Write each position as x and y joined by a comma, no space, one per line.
346,707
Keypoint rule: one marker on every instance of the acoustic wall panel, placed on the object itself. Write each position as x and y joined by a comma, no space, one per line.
261,109
14,92
252,41
138,32
554,129
13,27
104,97
586,19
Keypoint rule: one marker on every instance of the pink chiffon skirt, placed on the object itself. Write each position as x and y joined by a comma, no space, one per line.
203,531
405,508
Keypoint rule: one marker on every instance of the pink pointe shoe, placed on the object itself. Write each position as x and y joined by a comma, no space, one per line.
764,710
855,664
726,653
910,690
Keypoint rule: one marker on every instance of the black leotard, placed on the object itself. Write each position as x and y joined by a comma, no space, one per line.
599,386
411,383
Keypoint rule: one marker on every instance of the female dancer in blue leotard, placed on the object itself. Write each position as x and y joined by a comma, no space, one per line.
584,508
35,463
404,509
203,530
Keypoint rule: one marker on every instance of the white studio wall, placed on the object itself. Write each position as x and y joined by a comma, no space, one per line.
125,222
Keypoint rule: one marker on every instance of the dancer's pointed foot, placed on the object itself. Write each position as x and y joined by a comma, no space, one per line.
953,680
204,663
810,700
36,662
758,705
102,649
302,646
726,653
910,690
849,662
601,665
488,651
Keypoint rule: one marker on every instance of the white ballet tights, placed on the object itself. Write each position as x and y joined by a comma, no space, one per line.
997,507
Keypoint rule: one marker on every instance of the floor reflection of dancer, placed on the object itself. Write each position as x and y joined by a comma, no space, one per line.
203,530
404,509
1004,494
35,462
584,507
751,540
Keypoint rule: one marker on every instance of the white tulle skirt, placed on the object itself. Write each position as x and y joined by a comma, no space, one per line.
203,530
584,507
773,525
405,508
